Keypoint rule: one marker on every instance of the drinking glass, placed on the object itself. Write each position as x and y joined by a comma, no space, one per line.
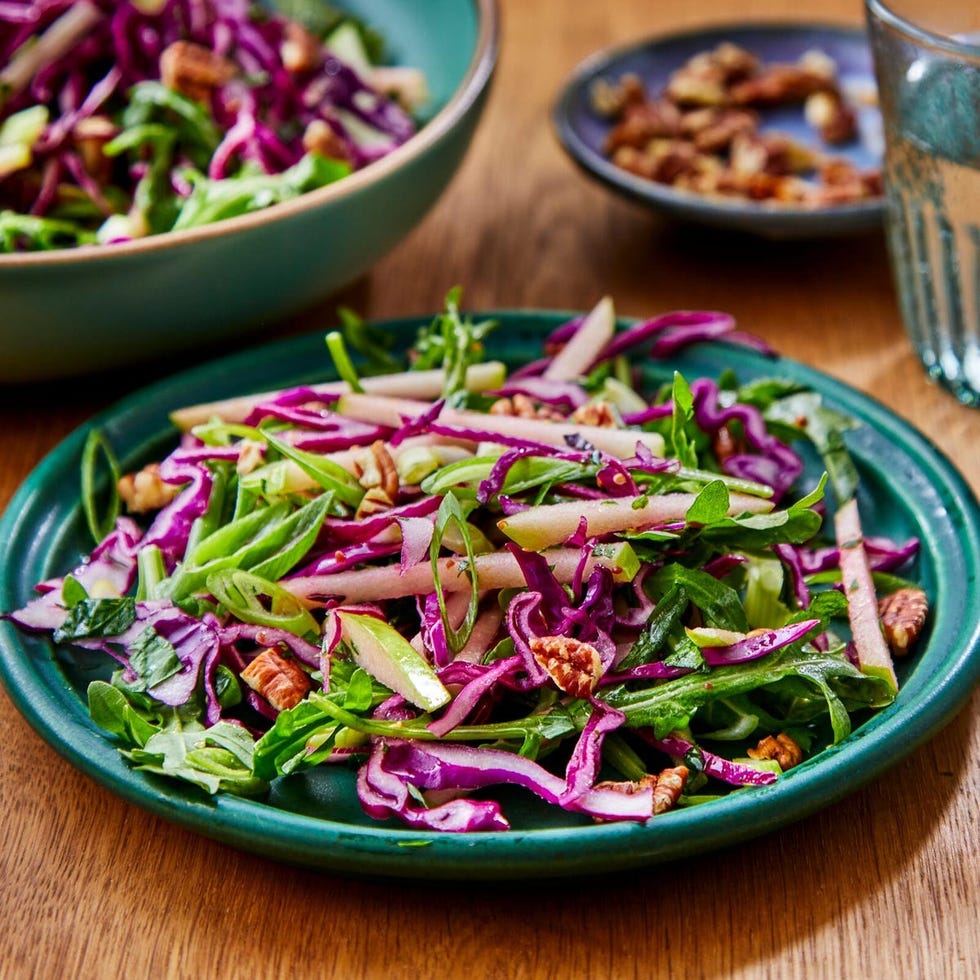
927,62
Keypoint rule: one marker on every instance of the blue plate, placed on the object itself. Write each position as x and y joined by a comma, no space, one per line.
313,819
582,132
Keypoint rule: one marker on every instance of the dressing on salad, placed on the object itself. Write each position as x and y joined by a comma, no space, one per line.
457,578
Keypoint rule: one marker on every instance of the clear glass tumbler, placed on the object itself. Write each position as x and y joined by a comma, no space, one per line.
927,62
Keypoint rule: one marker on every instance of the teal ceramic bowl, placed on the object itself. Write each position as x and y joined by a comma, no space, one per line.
79,310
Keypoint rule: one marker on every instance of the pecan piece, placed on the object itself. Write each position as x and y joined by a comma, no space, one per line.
524,407
670,785
903,614
145,491
611,98
376,468
644,122
833,119
573,665
282,682
300,51
713,129
780,84
599,414
779,747
194,70
320,137
91,135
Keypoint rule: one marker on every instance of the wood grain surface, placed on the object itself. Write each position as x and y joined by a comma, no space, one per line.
884,884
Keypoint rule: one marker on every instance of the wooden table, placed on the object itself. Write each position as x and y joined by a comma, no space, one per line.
884,884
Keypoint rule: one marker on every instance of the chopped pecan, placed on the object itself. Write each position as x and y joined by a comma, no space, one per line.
574,666
833,119
91,135
600,414
779,747
145,491
705,79
320,137
524,407
282,682
670,785
611,98
768,153
194,70
300,51
374,501
376,468
779,84
250,457
713,129
725,444
704,88
663,160
644,122
903,614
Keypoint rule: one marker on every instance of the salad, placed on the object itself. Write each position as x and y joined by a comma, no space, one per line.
463,581
125,119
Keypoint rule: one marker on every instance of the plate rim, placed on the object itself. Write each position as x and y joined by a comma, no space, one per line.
384,849
737,214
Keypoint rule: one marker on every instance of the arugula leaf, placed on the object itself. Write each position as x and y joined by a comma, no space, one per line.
710,505
216,200
672,605
371,342
680,443
19,231
719,603
673,703
825,428
452,343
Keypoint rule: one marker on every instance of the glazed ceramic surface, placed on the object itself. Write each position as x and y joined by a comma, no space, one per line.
582,132
314,819
77,310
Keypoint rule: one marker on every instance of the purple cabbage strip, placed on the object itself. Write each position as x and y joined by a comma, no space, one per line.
565,395
383,791
883,555
466,700
268,636
384,794
734,773
347,556
790,557
687,327
721,566
757,645
776,465
171,527
112,562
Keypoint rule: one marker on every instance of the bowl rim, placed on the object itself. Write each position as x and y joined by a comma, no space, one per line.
474,82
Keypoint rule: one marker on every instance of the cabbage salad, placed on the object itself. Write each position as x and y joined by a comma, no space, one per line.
125,119
457,579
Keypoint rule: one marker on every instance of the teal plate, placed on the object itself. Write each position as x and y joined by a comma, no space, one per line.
314,820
